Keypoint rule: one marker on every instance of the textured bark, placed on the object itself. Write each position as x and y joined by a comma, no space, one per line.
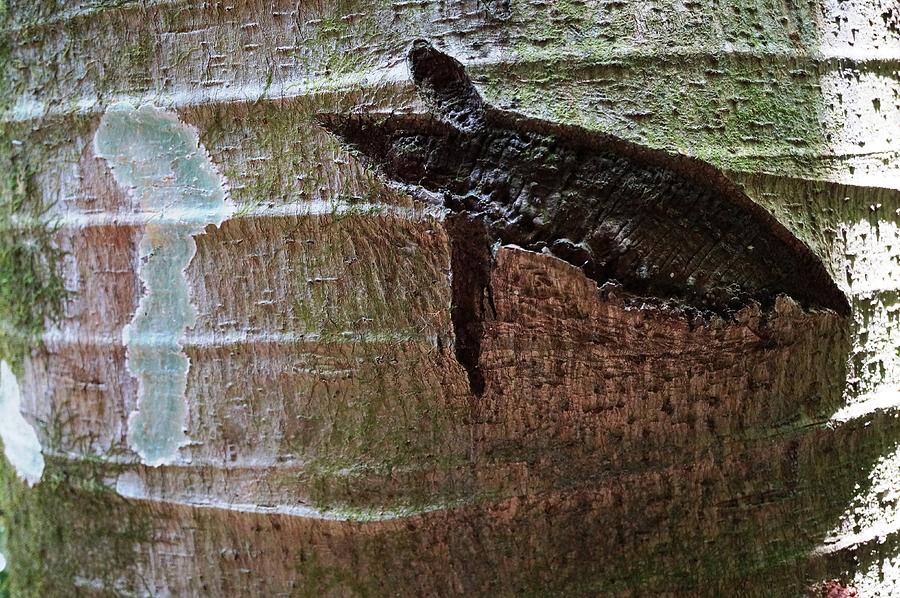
378,402
660,225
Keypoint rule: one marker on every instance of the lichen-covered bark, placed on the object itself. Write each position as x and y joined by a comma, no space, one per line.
158,160
336,445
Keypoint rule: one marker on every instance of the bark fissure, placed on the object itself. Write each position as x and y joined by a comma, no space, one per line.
470,262
663,226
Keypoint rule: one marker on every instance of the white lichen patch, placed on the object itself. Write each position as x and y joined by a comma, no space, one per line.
20,442
2,547
172,180
874,514
880,579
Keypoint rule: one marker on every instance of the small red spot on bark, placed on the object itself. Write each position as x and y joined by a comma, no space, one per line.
835,589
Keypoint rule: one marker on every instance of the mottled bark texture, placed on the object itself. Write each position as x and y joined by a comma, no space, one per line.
449,377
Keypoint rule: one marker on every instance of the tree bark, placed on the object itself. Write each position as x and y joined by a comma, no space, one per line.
256,363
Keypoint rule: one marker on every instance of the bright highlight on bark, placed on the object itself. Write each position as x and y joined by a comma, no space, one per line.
20,442
174,183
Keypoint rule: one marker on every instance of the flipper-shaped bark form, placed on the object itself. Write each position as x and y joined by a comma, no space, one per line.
661,225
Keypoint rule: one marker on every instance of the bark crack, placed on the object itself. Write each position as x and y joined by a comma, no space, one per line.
471,262
666,228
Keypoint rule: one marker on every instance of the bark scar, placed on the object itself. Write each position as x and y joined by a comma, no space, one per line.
662,226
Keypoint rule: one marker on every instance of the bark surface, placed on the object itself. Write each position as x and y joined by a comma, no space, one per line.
387,396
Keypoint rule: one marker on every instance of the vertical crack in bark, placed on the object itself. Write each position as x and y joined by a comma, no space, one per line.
470,261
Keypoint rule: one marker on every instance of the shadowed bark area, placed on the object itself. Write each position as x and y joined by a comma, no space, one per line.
661,225
470,255
612,449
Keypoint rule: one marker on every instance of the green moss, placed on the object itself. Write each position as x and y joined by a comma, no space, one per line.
733,110
31,289
7,86
558,28
317,579
279,171
44,13
4,575
137,55
382,443
70,526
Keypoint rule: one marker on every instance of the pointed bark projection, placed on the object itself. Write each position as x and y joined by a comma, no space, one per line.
170,175
661,225
445,87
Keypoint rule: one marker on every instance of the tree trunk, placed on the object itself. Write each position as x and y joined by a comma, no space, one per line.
253,359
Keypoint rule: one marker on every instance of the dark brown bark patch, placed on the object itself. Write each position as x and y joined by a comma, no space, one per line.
470,254
660,225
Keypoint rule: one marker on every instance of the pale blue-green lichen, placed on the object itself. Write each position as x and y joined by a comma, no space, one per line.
160,161
2,553
20,442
